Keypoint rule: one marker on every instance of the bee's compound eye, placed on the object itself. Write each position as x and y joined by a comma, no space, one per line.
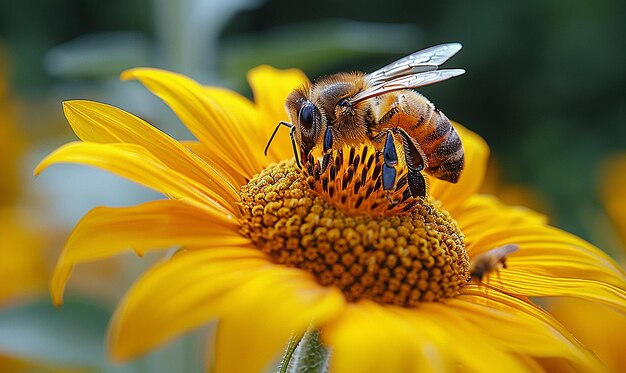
343,102
305,117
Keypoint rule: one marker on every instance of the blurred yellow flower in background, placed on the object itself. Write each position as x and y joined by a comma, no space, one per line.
12,145
267,257
22,268
613,195
23,273
12,141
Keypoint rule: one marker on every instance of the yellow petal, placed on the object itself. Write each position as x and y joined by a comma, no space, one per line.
479,213
550,262
522,282
108,231
276,303
213,124
469,346
271,88
220,167
137,164
598,327
258,126
433,337
96,122
196,284
259,304
370,338
476,156
519,326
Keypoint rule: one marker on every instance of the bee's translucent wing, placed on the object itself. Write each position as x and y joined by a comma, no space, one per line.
503,251
406,82
428,59
496,255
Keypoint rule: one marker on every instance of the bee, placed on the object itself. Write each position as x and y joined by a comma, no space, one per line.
490,261
383,109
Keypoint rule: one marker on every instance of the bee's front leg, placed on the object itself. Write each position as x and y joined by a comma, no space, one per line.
328,140
328,147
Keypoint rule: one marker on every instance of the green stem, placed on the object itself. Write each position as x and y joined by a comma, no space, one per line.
306,355
291,348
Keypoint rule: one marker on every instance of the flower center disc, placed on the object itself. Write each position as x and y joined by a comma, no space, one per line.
401,259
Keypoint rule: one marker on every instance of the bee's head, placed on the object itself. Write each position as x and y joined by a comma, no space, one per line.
307,119
315,107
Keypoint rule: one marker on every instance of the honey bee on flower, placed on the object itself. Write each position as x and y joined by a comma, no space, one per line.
380,108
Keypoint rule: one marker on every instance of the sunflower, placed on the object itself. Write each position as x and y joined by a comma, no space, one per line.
269,250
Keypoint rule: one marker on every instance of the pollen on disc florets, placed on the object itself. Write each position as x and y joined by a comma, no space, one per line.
400,259
350,178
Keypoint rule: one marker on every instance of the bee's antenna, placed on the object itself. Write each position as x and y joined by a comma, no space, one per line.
281,123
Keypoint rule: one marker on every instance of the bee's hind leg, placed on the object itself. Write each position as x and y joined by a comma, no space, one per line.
415,162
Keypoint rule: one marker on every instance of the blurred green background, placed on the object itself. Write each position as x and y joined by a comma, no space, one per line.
545,82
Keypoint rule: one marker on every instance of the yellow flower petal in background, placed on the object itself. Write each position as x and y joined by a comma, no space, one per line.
107,231
13,143
612,186
23,270
271,88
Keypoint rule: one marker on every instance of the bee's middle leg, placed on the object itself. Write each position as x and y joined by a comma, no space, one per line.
413,158
390,157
